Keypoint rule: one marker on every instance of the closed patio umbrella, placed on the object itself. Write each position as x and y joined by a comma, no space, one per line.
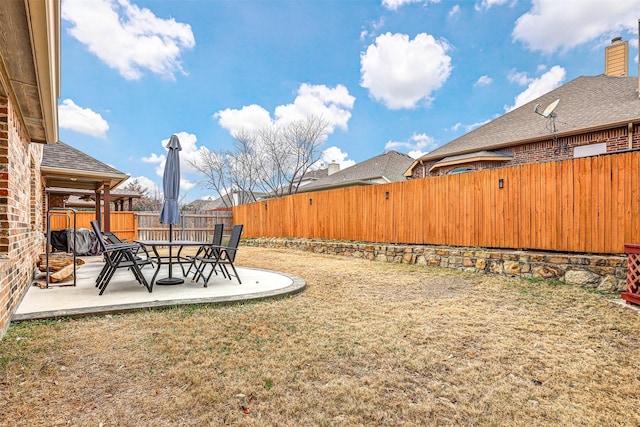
170,213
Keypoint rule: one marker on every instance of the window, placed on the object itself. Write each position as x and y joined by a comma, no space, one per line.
460,170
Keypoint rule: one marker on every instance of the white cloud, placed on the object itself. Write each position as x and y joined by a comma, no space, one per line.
455,10
374,29
250,118
537,87
544,27
128,38
417,145
486,4
83,120
395,4
483,81
190,152
335,154
400,72
332,104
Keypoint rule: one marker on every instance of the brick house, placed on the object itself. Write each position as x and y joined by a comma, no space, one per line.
595,115
29,88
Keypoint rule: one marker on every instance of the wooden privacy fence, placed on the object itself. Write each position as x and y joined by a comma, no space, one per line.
197,227
146,225
124,224
582,205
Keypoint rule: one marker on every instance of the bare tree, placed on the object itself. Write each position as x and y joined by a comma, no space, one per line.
148,202
288,152
272,160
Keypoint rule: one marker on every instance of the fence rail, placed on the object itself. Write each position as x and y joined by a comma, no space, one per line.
582,205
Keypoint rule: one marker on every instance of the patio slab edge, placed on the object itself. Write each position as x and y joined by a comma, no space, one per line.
297,286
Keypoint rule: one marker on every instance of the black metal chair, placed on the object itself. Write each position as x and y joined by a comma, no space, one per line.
112,238
206,250
118,255
220,256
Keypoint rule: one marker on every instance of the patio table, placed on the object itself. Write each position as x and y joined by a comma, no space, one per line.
170,260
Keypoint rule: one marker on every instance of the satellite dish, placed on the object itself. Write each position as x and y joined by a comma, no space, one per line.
549,110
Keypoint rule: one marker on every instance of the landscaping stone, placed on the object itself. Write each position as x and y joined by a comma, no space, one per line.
547,272
511,268
583,278
609,284
605,273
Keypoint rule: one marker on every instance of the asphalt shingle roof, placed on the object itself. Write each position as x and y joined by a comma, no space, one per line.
62,156
588,102
390,165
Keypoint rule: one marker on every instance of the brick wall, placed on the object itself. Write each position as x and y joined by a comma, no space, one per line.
21,237
617,140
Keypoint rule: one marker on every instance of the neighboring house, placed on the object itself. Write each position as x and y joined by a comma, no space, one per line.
68,171
227,201
594,115
382,169
29,90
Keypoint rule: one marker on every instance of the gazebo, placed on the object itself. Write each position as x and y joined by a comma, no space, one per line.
67,171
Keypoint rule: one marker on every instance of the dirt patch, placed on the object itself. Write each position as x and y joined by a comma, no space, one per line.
367,343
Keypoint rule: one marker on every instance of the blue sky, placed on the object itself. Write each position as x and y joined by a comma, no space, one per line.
407,75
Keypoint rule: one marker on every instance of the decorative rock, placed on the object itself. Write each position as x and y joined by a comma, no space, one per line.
495,267
408,258
512,268
421,260
547,272
481,264
609,284
467,262
582,278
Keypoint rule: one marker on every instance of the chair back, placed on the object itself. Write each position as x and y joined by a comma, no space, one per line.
217,234
111,237
98,233
234,240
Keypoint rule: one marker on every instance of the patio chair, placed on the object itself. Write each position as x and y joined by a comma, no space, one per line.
112,238
118,255
220,256
206,250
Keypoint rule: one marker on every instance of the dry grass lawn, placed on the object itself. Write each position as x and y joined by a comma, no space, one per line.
366,344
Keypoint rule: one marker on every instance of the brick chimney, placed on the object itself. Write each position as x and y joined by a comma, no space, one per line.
616,58
333,168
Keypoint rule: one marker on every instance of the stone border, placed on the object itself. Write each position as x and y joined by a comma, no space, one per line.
606,273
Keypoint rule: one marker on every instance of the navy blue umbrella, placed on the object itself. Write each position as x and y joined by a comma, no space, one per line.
170,213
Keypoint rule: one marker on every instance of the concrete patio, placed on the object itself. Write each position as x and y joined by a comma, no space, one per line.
124,293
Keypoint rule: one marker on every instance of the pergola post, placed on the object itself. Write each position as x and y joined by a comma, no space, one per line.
106,226
98,208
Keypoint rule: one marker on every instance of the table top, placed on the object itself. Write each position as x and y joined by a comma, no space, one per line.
170,243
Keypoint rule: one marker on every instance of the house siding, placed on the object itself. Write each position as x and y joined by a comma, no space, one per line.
21,224
617,140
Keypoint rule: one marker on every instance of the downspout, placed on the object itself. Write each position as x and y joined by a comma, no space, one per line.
424,173
630,135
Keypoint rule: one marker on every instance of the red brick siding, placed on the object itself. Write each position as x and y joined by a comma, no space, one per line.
617,140
21,238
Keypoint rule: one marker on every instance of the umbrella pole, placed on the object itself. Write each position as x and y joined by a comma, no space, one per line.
170,280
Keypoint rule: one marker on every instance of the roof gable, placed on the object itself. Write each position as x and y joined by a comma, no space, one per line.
67,167
390,166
